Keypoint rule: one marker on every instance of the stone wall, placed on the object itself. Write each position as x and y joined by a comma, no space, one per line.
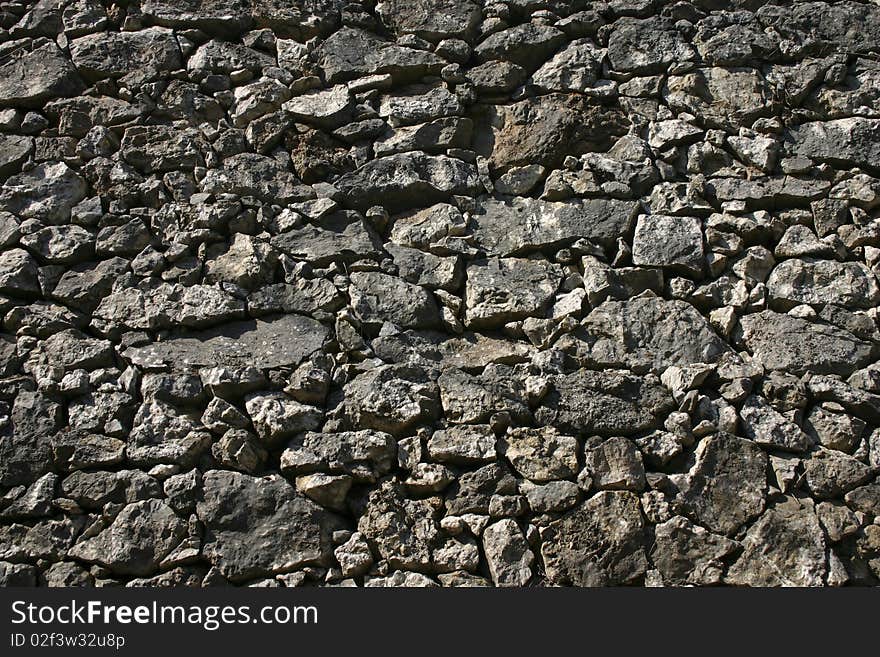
515,293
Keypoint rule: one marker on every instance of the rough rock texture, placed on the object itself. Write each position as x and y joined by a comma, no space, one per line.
453,293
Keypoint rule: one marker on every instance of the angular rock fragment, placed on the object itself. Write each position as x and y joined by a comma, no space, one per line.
377,297
540,455
686,554
115,54
651,331
599,543
783,342
136,541
727,485
406,180
821,282
261,526
608,402
675,243
499,291
509,556
769,428
352,52
785,547
32,76
264,344
514,227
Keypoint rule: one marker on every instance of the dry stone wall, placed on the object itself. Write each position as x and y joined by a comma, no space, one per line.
451,293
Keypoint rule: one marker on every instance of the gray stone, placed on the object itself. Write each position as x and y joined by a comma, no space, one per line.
688,555
377,298
30,77
599,543
615,464
352,52
406,180
821,282
257,527
785,547
115,54
830,473
652,332
849,142
391,398
264,344
499,291
276,416
783,342
431,20
136,541
675,243
508,554
769,428
365,455
727,485
46,192
517,226
646,45
463,445
608,402
540,454
526,45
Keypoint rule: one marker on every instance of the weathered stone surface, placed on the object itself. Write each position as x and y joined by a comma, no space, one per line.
136,541
404,293
46,192
377,298
431,20
653,332
340,236
264,344
255,175
769,428
473,399
327,109
721,97
545,129
830,473
820,282
160,148
114,54
785,547
608,402
845,142
365,455
540,454
261,526
727,485
391,398
462,445
406,180
403,531
574,68
352,52
599,543
276,416
783,342
646,45
30,77
615,464
510,559
675,243
508,228
686,554
504,290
